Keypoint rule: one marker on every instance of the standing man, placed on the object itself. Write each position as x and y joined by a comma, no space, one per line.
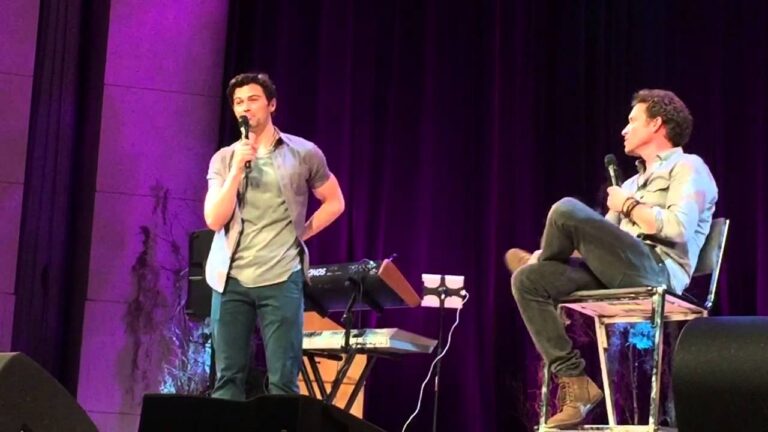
258,190
652,235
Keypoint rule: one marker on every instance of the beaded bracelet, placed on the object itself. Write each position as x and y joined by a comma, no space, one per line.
629,201
630,208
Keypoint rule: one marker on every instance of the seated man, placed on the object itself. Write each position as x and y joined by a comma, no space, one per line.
655,227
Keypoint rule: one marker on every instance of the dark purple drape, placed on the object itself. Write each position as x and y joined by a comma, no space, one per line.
453,126
54,241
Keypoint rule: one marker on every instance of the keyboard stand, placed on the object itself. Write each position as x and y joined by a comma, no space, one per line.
350,288
341,374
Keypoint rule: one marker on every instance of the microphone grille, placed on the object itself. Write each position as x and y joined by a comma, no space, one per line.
610,160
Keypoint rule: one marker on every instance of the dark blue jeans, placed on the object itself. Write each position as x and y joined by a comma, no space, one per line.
610,258
279,311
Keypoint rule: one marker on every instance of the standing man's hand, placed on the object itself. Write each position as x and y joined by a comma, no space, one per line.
244,152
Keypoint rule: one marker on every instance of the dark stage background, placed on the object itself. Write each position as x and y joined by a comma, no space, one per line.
452,127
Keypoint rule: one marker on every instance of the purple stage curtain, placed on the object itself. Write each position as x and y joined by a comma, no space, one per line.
54,242
453,126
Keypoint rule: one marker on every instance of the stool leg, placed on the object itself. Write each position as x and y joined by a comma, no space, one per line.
601,332
544,401
659,300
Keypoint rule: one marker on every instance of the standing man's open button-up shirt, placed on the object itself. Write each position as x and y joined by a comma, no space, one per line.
300,166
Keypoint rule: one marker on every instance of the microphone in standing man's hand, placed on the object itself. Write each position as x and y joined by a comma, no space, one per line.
244,128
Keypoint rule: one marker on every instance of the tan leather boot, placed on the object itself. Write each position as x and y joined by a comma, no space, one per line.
516,258
575,397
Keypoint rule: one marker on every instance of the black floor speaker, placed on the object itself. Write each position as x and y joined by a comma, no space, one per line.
198,304
269,413
720,375
31,400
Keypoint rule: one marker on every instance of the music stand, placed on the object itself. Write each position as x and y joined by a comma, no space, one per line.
441,291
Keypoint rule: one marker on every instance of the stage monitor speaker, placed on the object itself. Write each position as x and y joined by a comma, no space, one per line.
720,375
31,400
271,413
198,303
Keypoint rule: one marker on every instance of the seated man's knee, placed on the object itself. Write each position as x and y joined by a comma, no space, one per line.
565,208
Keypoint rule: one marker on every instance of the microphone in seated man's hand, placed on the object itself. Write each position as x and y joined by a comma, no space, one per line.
613,170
